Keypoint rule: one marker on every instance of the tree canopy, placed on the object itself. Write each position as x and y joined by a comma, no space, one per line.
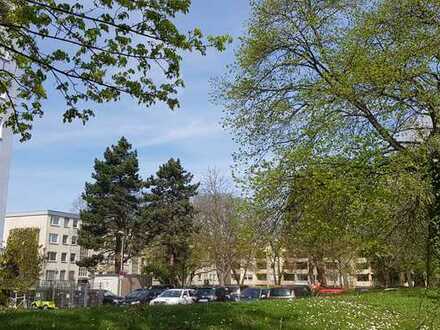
171,214
21,262
336,73
91,51
113,221
319,80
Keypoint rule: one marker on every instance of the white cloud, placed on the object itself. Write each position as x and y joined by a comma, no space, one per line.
195,129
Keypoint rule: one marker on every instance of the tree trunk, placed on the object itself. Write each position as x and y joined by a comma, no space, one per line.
236,276
280,271
310,268
172,274
429,252
433,226
387,278
321,274
118,248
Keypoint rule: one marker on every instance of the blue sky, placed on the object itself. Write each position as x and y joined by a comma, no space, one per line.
49,171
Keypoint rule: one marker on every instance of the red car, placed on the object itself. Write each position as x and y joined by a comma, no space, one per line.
331,290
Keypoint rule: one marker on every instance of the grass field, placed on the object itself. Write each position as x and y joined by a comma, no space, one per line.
403,309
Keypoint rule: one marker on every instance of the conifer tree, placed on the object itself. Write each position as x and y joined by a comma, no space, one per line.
112,222
171,214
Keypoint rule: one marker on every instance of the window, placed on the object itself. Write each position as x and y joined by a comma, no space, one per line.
74,240
72,257
66,222
82,272
51,256
53,238
261,264
262,277
62,275
83,253
72,275
289,265
63,257
362,265
75,223
362,277
50,275
302,277
248,277
54,221
301,265
65,237
289,277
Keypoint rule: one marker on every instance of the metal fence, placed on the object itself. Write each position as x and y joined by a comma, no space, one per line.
64,294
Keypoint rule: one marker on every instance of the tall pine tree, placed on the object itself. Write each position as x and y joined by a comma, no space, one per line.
171,214
112,222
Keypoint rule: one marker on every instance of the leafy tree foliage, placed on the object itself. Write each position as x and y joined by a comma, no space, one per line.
21,262
172,218
325,78
92,51
226,233
113,221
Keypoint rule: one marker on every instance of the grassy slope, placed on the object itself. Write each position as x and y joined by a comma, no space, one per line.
406,309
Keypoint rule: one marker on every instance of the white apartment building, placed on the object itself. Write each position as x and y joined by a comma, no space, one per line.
58,239
295,271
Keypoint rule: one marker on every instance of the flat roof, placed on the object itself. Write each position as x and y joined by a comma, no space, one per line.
45,212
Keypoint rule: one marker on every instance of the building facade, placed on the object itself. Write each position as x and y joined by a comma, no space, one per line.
293,271
58,239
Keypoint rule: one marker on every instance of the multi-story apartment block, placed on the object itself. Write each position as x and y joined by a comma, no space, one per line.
58,238
294,271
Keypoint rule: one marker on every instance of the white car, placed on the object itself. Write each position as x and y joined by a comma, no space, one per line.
173,297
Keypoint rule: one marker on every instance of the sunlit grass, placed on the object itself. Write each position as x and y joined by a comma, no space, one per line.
403,309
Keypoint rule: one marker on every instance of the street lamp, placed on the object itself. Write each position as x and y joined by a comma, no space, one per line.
121,264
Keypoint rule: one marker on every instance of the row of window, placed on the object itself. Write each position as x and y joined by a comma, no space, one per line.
51,275
56,221
288,265
304,265
52,257
54,239
286,277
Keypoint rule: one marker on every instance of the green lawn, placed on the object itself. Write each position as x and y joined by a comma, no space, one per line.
403,309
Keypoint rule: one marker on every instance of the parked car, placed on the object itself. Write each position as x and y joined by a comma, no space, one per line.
139,296
233,293
174,297
281,293
302,291
254,294
43,304
210,294
109,298
330,291
155,291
